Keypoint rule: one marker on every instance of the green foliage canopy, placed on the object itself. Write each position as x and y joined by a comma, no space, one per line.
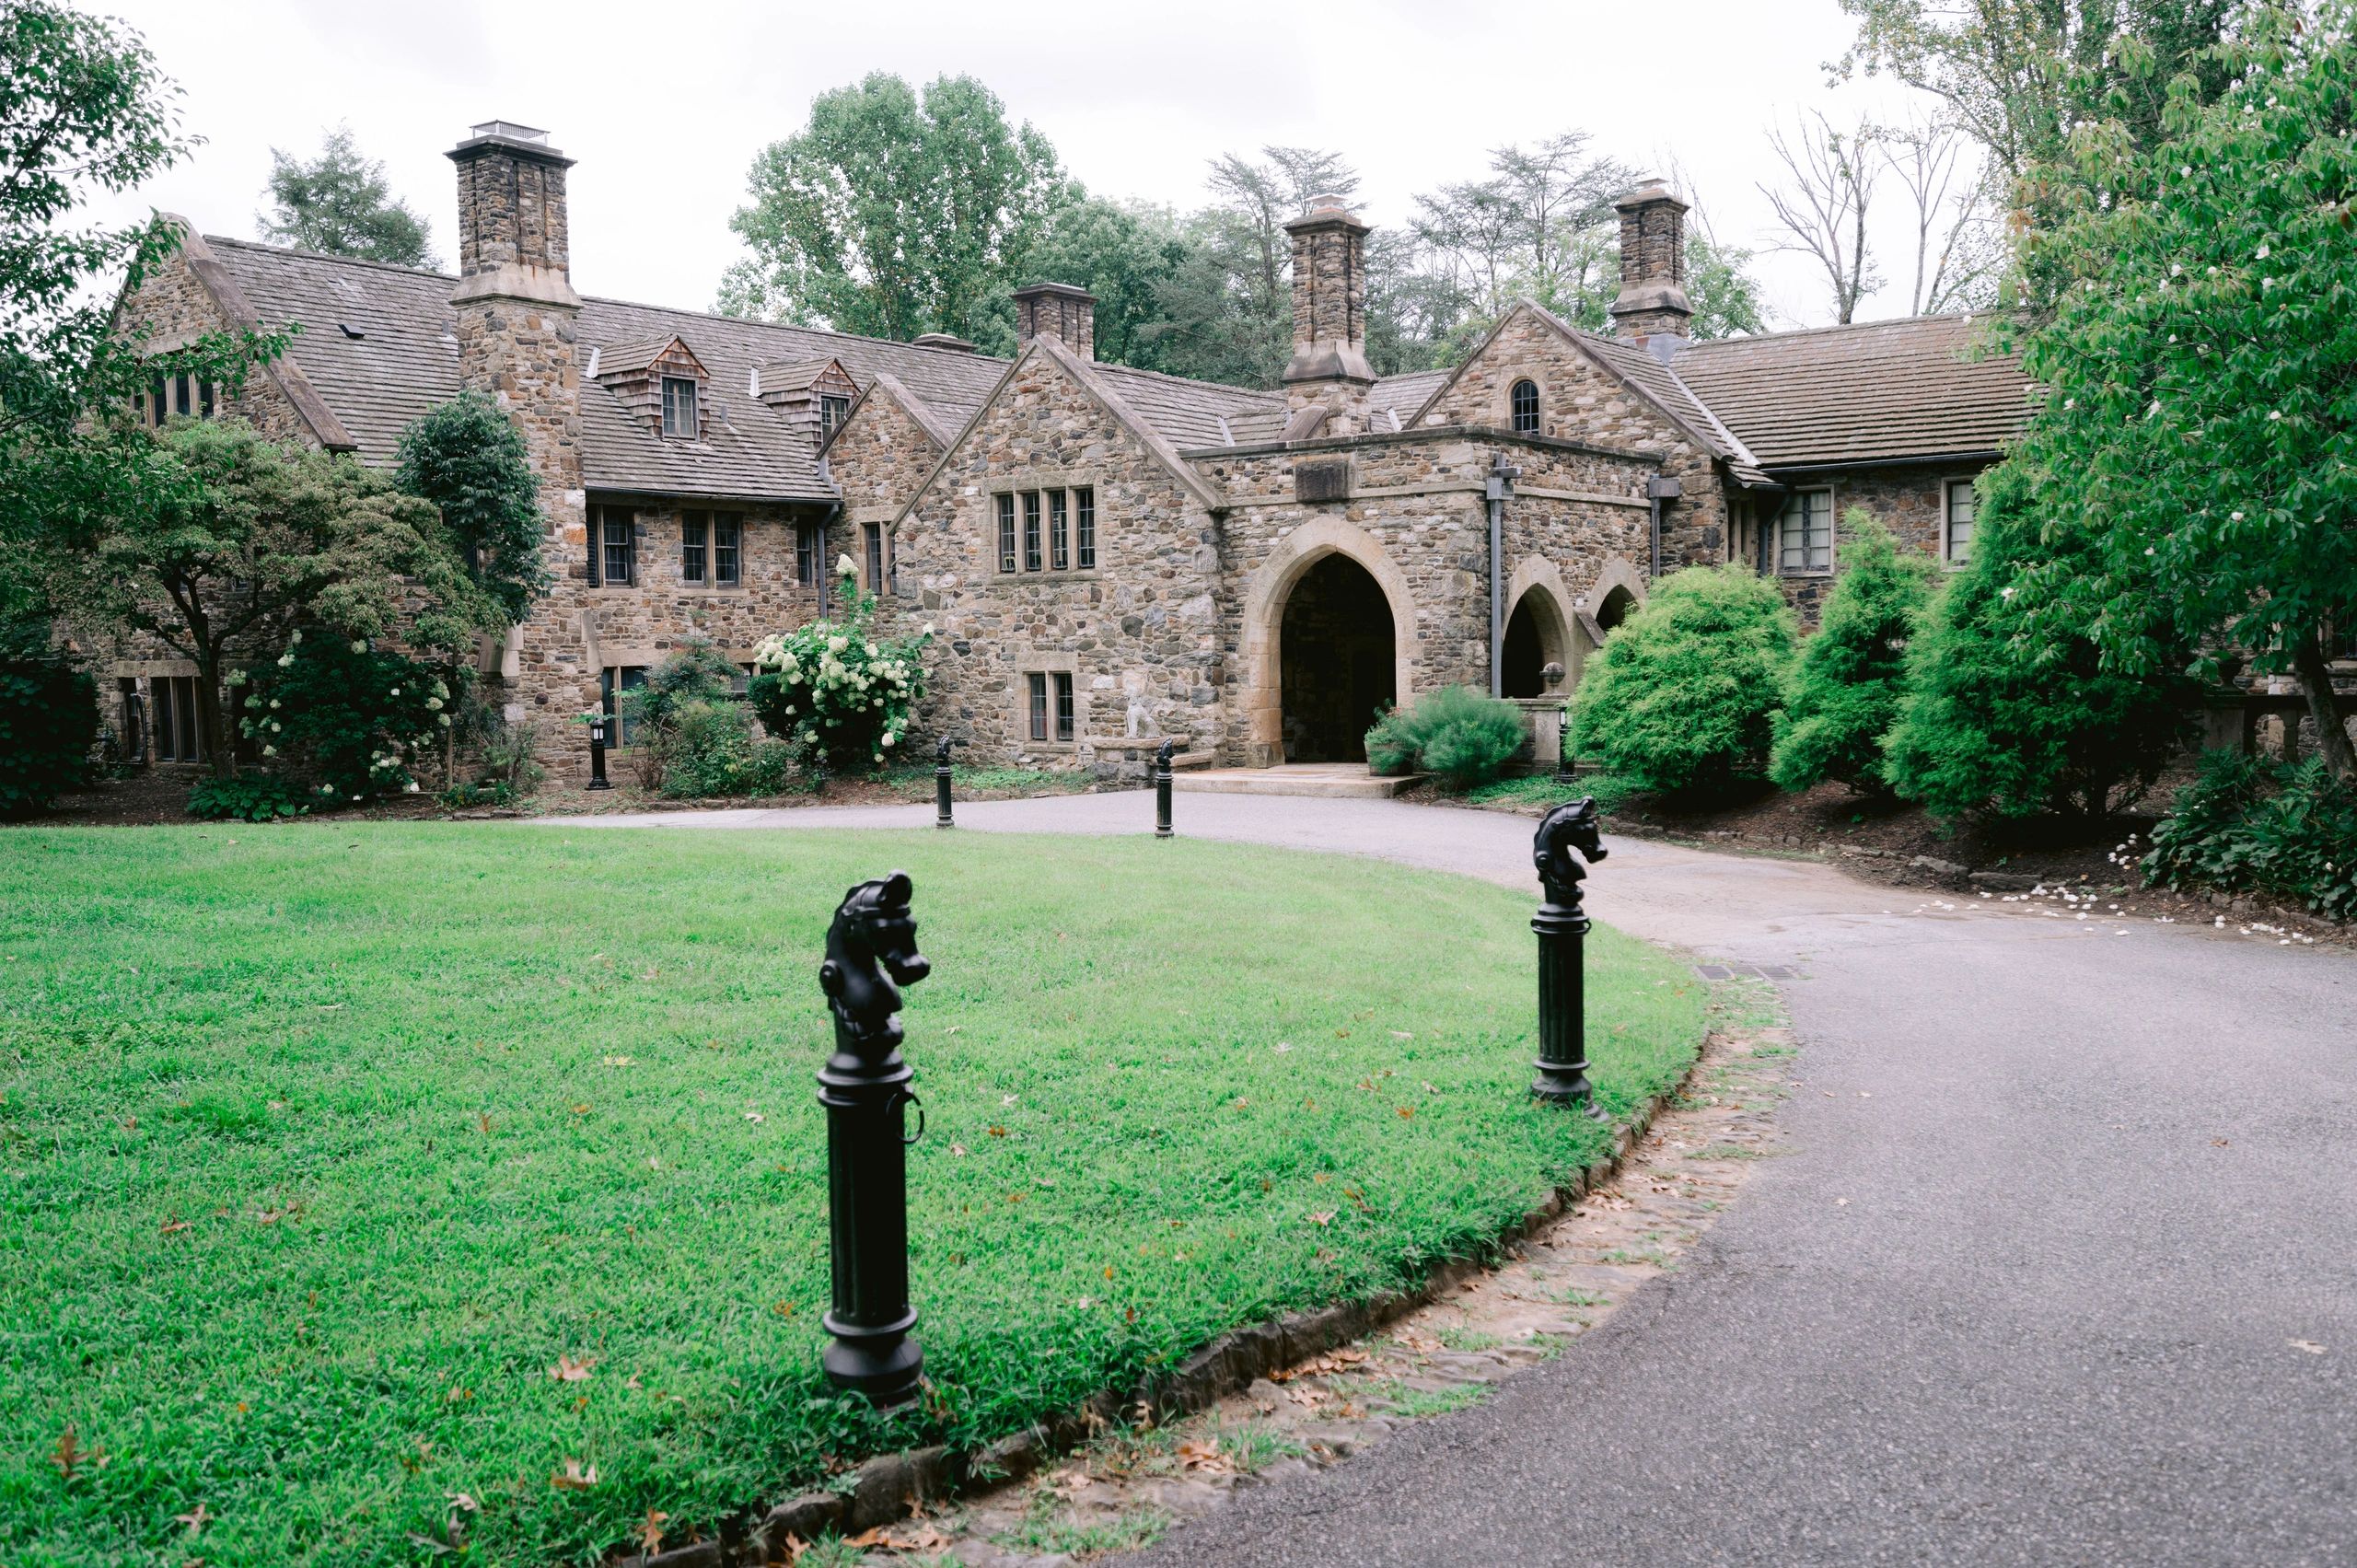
220,543
2198,411
1846,690
468,458
892,213
338,202
2012,720
1683,694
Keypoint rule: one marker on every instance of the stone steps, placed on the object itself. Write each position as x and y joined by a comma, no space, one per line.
1329,781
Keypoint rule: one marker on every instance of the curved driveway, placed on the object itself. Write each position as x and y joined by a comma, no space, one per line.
2061,1266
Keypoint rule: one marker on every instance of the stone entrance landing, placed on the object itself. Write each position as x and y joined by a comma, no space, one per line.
1331,781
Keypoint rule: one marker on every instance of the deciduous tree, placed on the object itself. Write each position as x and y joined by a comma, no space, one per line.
893,213
2198,411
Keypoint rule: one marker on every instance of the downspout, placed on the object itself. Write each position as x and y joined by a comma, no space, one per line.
1499,487
1658,489
826,561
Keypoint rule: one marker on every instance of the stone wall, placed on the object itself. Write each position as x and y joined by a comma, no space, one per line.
1580,400
1414,515
1910,501
1140,634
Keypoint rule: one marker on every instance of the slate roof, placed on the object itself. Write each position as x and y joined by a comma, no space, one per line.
406,361
379,344
1188,414
1873,392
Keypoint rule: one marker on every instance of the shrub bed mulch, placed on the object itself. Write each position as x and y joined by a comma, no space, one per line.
1903,845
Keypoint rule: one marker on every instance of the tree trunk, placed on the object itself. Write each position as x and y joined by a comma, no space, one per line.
220,736
2332,733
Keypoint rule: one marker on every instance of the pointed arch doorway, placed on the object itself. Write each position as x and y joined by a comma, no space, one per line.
1337,661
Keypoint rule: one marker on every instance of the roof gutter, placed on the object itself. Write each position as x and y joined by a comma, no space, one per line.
1789,473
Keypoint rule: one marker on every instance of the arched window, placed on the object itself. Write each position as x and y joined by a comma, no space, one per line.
1526,407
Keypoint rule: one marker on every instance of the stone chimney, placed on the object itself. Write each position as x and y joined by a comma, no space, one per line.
516,317
1653,300
1329,370
1057,310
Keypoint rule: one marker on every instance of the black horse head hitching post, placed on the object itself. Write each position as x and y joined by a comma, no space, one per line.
1562,925
1162,791
871,952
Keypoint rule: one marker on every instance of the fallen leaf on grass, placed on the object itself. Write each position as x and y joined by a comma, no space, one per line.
568,1370
622,1061
574,1477
173,1227
1323,1216
957,1149
998,1131
650,1530
71,1456
196,1519
1318,1367
1199,1454
920,1537
753,1116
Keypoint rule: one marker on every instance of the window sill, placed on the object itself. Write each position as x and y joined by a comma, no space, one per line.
709,588
1799,575
1052,575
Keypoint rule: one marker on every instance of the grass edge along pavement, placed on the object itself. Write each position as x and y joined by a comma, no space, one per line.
354,1172
1747,1055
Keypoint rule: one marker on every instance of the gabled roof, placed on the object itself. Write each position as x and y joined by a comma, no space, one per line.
1873,392
1190,413
627,359
793,375
929,420
405,361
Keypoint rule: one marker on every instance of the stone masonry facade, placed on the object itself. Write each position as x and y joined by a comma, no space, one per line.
1105,557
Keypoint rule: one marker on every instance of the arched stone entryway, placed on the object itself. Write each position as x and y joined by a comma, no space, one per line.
1337,672
1618,590
1270,596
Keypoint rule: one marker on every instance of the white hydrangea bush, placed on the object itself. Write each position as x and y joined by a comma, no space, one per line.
836,692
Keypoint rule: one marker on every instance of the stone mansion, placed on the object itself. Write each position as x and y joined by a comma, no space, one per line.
1110,556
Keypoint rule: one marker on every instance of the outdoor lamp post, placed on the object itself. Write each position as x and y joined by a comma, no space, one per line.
1162,791
941,784
598,779
1565,773
871,952
1562,925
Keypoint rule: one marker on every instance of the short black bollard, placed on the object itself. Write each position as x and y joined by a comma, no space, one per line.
941,784
1562,925
598,753
871,952
1161,792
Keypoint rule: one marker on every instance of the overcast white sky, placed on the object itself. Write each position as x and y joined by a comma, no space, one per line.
664,105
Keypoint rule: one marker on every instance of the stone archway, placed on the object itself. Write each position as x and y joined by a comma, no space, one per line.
1618,590
1538,630
1266,602
1336,667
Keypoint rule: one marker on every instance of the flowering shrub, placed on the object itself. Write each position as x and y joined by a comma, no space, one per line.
836,692
343,719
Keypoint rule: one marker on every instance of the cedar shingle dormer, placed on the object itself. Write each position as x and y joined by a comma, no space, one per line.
637,374
816,393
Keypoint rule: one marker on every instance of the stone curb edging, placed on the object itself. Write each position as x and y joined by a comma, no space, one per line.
889,1485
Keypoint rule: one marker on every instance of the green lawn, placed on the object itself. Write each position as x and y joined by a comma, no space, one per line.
321,1146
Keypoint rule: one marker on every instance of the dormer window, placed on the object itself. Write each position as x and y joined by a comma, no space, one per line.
679,407
832,412
659,383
